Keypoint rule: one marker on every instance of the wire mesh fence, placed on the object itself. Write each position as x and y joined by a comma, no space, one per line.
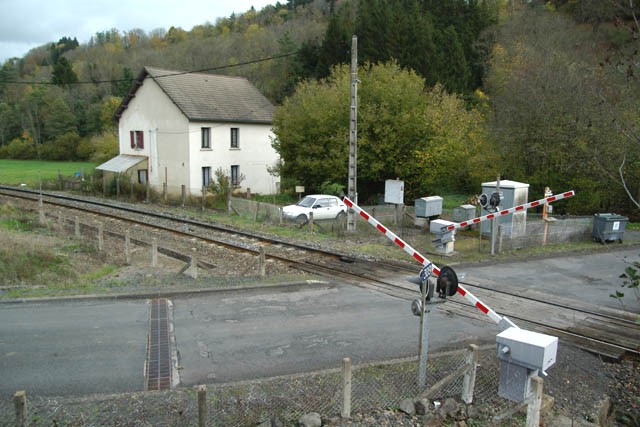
374,386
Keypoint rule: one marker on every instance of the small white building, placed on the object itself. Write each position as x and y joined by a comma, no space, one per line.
178,128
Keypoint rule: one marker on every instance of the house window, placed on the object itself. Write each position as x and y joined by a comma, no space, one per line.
206,137
235,175
235,138
206,176
142,176
137,139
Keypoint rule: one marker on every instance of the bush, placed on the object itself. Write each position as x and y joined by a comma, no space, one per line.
21,149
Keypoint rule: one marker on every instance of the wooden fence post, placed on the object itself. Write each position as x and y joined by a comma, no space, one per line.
469,381
534,405
202,405
22,412
346,388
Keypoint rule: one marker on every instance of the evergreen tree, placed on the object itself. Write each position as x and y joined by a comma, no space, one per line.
63,74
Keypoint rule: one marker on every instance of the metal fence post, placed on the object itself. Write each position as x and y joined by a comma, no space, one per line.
202,405
469,381
535,402
22,413
346,387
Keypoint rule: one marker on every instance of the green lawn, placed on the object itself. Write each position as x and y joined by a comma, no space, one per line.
16,172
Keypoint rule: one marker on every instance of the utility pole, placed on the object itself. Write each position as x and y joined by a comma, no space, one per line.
353,135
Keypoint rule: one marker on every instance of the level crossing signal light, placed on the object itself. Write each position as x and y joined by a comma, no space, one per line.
490,203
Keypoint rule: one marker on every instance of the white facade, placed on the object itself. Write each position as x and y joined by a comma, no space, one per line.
173,145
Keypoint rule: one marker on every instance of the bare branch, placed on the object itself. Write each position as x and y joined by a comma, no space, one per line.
624,183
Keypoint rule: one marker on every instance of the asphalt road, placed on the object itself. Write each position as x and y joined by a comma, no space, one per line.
75,348
72,348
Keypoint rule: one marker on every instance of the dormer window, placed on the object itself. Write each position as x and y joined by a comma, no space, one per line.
137,139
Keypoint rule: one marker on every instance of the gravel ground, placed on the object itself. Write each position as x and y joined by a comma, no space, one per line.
579,381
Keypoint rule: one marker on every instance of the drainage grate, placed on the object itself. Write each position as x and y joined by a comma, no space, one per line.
158,368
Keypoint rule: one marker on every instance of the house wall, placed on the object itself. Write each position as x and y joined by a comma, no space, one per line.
165,131
173,145
253,156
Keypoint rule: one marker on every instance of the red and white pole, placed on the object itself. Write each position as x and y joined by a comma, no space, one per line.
424,261
514,209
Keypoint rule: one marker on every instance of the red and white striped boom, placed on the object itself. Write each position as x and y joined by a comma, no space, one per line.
424,261
509,211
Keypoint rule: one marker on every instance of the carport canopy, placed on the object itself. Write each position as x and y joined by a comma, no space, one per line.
121,163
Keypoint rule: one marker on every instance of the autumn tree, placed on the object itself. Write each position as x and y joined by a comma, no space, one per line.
558,110
426,137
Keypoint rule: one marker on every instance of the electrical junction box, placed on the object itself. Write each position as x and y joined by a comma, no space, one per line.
427,207
444,239
522,354
464,213
394,191
526,348
513,194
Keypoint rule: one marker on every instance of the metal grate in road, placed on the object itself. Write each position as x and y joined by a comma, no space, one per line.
158,366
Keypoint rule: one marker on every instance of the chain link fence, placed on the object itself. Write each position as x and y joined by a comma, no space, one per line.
374,386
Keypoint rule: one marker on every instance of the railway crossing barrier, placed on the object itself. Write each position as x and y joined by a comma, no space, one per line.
522,354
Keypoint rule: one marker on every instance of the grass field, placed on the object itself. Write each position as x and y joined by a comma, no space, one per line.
16,172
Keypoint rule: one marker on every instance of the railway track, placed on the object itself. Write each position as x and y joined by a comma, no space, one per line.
612,333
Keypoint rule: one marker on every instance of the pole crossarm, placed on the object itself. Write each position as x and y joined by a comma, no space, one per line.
425,262
509,211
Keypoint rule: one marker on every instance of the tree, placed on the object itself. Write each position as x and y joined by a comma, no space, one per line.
557,110
63,74
428,138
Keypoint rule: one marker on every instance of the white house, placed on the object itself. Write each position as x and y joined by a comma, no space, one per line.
178,128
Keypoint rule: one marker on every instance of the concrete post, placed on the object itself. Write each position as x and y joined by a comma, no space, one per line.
41,218
22,412
127,247
262,262
164,191
100,237
77,227
154,252
535,402
469,381
281,215
346,388
193,267
311,222
255,216
183,191
202,405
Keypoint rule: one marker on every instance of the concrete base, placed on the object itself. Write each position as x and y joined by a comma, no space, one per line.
446,249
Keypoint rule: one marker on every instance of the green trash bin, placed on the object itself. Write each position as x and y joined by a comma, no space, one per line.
608,227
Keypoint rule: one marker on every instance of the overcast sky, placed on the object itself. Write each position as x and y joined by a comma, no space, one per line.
25,24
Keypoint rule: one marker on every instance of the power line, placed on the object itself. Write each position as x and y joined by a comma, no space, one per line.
177,73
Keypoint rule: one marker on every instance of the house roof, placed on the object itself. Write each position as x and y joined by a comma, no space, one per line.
207,97
121,163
